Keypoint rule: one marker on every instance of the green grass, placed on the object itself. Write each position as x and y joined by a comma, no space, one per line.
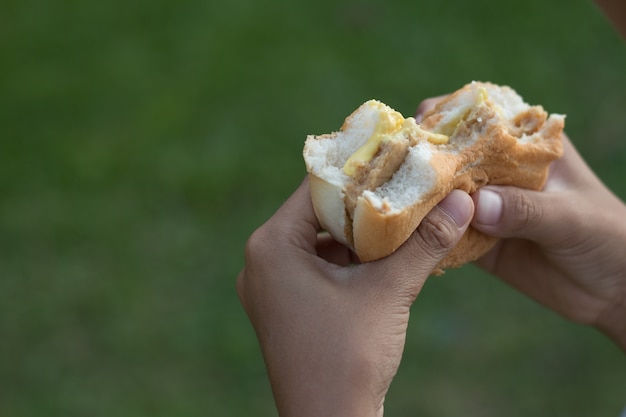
142,142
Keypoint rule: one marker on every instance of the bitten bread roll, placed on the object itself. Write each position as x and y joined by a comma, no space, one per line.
373,181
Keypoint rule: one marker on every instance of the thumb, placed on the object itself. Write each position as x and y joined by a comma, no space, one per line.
512,212
434,238
441,229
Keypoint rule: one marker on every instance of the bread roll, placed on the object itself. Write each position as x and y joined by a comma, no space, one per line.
374,180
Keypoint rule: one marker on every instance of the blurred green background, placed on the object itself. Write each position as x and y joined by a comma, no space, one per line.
141,142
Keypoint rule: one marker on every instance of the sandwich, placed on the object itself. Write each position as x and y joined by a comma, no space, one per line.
373,181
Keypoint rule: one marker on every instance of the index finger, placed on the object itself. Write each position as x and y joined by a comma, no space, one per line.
426,106
295,221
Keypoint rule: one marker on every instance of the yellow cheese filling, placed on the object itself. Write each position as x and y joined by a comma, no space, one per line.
448,128
389,123
436,138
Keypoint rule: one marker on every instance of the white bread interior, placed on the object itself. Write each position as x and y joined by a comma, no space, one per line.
494,138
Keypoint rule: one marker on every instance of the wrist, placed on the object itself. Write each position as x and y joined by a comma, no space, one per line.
340,388
305,401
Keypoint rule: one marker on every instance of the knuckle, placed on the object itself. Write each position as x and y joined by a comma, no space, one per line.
239,284
427,105
525,211
424,106
257,245
437,236
241,289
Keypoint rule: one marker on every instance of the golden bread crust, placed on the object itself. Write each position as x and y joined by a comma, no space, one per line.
504,161
485,148
378,233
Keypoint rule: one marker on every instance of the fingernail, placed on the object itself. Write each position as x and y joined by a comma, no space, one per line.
457,205
488,207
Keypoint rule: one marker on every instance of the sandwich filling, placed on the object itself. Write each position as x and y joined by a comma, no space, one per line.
390,124
388,160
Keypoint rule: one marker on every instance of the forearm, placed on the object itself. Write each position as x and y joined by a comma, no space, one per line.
310,402
320,391
326,368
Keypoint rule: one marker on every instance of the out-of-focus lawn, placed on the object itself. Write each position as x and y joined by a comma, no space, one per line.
142,141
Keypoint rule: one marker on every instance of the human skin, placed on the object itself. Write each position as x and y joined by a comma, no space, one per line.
563,246
331,330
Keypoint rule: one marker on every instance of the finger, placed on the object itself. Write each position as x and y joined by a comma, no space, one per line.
521,263
295,221
511,212
439,231
426,106
293,226
437,234
571,171
334,252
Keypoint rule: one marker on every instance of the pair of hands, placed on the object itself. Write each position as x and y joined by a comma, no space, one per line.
332,332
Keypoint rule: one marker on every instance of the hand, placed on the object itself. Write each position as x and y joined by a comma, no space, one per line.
564,246
331,330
